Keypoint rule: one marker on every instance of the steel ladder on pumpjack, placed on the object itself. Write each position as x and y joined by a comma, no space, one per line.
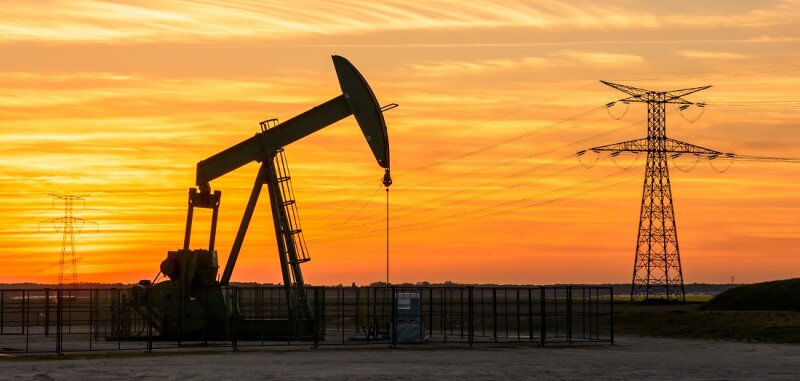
293,248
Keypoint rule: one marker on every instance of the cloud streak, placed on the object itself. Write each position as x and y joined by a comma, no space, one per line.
181,20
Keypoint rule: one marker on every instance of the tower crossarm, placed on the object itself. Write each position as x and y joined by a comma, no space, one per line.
636,145
671,146
630,90
676,96
678,147
644,96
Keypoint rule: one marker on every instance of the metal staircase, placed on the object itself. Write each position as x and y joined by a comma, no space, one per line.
291,243
295,232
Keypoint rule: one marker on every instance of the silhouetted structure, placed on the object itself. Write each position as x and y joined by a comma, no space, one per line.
67,265
193,284
657,267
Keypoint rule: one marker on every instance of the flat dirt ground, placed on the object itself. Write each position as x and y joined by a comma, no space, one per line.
631,358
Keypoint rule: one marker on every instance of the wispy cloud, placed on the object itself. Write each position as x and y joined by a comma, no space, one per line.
500,66
602,58
143,21
706,55
457,68
110,92
743,15
774,38
181,20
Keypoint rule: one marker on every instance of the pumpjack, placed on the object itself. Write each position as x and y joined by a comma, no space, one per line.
193,301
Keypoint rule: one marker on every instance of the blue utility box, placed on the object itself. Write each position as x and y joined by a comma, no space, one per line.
408,318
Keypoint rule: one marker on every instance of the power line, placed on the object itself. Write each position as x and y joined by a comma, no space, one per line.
753,102
502,115
463,215
758,158
484,148
428,201
474,152
583,140
780,104
481,194
353,215
540,153
540,203
503,142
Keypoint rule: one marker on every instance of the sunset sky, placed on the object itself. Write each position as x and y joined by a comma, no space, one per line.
119,101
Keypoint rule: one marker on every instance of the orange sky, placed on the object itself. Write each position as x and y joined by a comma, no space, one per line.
120,100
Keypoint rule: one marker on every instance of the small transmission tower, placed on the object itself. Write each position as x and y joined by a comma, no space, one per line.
67,225
657,267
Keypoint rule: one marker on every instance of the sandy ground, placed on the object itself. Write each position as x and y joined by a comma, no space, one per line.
630,358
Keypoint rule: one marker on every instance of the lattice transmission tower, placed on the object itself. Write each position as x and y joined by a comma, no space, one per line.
657,269
67,226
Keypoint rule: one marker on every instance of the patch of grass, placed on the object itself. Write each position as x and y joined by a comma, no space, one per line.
698,298
753,326
780,295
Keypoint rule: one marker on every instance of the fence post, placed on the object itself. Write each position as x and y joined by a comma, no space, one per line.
461,313
530,314
234,318
586,314
317,315
611,305
358,308
115,310
24,312
543,313
519,319
340,311
26,321
443,313
2,310
470,317
430,311
70,298
569,314
59,321
494,313
91,316
394,316
97,315
46,312
324,308
150,323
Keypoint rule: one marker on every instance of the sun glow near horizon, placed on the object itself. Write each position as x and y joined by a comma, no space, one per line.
120,101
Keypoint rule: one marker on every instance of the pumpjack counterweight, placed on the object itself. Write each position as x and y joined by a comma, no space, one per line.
657,271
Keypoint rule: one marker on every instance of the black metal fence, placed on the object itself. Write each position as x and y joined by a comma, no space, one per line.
80,320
